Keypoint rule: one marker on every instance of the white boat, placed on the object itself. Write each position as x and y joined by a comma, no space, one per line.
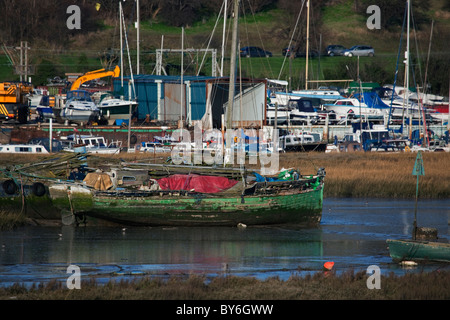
303,112
159,144
350,108
154,147
282,114
303,141
23,148
79,107
400,107
34,98
92,144
327,96
113,109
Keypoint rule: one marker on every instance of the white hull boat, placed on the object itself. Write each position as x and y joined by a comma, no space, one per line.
347,109
23,149
113,109
79,107
91,144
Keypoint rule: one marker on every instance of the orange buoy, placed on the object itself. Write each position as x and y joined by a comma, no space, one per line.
328,265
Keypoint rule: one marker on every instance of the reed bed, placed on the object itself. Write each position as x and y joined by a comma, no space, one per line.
317,286
377,175
359,174
11,219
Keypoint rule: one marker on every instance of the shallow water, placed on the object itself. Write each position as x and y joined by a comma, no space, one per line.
352,234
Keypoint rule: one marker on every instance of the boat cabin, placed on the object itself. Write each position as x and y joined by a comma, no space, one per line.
129,178
154,147
89,141
22,148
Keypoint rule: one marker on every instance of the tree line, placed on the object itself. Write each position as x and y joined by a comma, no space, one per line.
45,20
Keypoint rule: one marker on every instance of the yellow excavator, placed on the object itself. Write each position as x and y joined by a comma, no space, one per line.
94,75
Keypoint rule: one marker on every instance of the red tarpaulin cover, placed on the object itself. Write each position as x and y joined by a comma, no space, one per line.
204,184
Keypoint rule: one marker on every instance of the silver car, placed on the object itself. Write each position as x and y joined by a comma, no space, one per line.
360,51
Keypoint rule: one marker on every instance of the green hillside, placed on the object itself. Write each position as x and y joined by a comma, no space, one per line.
336,23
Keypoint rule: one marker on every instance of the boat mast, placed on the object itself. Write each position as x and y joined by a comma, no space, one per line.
307,46
407,69
121,45
223,36
229,111
182,73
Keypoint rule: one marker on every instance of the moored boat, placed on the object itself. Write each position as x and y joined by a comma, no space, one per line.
195,199
92,144
23,149
413,250
350,108
419,248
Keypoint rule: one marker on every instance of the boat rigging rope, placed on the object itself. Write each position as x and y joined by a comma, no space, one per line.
290,41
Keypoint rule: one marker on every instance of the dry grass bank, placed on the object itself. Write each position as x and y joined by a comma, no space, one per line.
319,286
371,174
379,175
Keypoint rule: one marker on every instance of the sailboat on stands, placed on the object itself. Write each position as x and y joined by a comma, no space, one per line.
195,195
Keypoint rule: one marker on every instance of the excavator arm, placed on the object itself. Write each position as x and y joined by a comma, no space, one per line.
94,75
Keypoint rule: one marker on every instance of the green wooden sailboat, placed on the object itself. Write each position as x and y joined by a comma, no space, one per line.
185,195
202,197
419,248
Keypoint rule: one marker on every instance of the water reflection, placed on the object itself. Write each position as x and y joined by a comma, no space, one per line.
353,234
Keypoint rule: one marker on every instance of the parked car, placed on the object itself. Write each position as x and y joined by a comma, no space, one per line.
360,51
254,52
312,53
335,50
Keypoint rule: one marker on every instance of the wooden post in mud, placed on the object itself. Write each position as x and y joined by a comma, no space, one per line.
418,170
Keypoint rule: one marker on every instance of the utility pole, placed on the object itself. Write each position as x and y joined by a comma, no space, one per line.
137,35
23,64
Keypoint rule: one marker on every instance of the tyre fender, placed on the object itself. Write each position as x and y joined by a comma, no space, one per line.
38,189
10,186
